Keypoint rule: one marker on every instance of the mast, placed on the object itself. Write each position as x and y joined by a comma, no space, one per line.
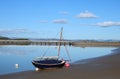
60,42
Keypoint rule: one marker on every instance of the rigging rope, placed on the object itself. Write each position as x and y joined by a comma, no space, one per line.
67,53
45,52
59,47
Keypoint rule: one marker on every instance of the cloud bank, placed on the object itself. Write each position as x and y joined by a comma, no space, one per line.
13,31
86,14
43,21
107,24
60,21
64,12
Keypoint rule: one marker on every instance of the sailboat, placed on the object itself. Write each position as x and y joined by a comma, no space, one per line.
50,61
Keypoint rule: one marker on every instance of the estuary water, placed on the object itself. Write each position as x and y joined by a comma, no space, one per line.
23,55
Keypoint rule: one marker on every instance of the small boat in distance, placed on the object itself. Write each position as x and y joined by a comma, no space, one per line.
49,61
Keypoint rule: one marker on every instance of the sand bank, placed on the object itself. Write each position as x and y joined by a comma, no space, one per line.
106,67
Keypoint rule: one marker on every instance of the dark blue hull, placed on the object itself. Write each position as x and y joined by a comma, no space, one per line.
44,64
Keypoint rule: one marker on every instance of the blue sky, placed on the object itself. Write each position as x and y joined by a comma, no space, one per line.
81,19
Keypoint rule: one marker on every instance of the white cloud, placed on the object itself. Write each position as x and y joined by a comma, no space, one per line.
60,21
107,24
13,31
86,14
64,12
43,21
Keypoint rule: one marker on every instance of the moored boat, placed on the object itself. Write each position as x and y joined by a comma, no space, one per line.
48,61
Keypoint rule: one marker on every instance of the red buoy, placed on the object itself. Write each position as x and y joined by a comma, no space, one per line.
67,64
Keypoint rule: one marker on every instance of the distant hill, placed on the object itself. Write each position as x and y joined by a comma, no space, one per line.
6,38
20,39
3,38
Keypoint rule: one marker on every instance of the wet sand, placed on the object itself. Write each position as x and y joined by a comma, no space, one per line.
105,67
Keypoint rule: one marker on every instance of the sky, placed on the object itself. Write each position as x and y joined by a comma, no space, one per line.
80,19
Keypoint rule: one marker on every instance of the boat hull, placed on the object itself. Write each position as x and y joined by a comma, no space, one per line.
48,65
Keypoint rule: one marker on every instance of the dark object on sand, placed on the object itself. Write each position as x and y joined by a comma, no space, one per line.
48,62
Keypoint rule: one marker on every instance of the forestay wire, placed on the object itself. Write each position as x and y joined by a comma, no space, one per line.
59,47
45,52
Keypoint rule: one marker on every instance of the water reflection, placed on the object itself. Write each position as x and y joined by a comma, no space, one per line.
8,50
22,55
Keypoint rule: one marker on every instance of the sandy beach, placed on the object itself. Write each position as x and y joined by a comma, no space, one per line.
105,67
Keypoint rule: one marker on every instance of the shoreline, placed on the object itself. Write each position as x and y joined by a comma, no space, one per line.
105,67
84,43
